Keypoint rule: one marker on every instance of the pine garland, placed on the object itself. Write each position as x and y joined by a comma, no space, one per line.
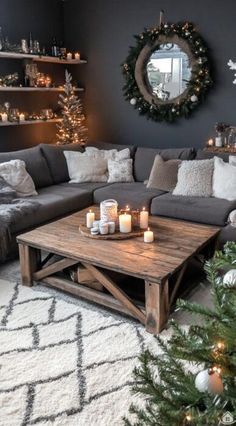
174,399
71,129
198,85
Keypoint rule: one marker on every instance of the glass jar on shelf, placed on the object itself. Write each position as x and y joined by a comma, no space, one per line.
231,140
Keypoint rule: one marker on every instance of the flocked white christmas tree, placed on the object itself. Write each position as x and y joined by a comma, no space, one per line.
71,129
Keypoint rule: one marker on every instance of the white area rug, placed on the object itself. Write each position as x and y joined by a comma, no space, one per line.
63,363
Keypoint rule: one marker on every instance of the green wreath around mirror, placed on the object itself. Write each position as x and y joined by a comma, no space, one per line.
167,73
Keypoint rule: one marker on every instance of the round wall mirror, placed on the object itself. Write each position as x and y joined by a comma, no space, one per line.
167,73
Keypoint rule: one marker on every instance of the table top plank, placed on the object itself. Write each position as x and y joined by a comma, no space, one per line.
175,241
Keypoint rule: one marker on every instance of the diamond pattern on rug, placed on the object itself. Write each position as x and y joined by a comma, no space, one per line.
64,364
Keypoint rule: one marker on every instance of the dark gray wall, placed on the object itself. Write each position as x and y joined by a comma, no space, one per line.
44,18
103,30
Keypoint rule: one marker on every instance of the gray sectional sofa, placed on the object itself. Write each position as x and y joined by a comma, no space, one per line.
47,166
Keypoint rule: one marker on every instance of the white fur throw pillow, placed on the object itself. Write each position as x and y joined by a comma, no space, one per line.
15,174
195,178
224,180
108,154
120,171
232,160
84,168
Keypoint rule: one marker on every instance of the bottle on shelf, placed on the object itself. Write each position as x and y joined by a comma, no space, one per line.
55,48
1,39
31,44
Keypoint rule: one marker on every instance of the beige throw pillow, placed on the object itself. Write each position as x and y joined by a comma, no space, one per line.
108,154
84,168
195,178
120,171
163,175
15,174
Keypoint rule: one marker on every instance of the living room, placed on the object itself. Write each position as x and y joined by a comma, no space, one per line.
117,213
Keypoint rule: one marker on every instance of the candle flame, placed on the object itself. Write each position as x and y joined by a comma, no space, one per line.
148,229
144,208
90,210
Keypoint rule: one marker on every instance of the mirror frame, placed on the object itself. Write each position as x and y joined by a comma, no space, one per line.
137,89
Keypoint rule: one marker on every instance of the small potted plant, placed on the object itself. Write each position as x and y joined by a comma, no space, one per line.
220,130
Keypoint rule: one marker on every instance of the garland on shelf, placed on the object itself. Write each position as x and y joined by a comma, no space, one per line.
197,86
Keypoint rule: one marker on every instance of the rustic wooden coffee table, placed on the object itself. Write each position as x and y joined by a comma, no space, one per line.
176,242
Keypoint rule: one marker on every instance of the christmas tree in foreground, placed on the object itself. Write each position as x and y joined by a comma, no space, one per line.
196,382
71,129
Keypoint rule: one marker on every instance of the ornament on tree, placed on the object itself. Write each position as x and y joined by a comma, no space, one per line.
229,279
133,101
71,129
194,98
209,381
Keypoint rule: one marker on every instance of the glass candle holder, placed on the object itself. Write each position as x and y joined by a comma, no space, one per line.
108,210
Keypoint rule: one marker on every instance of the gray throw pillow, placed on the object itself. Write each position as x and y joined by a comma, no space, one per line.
163,175
195,178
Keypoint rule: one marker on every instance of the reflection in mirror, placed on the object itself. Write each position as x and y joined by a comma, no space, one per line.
168,71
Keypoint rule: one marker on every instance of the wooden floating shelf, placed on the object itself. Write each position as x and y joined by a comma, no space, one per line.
23,123
38,58
36,89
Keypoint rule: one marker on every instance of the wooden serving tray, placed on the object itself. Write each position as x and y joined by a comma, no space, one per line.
116,236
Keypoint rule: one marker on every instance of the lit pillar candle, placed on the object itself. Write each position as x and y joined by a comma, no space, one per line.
69,56
90,217
21,117
77,56
144,219
4,116
148,236
210,142
125,223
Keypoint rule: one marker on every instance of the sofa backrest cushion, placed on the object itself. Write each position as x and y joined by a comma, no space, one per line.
36,164
205,155
107,145
144,158
56,160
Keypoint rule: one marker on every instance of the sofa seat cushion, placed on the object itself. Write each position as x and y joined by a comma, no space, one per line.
144,159
54,155
35,162
85,186
135,194
212,211
55,201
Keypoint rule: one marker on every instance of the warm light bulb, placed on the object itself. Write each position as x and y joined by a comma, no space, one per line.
220,345
188,418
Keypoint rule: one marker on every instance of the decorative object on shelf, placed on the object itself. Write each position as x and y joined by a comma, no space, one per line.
21,117
144,216
24,45
31,72
108,210
69,56
47,114
43,80
77,56
231,139
232,66
14,115
9,79
210,142
154,90
220,128
1,39
72,128
4,117
148,236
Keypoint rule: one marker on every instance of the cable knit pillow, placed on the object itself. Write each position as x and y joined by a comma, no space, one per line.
163,175
15,174
195,178
232,160
120,171
84,168
224,180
